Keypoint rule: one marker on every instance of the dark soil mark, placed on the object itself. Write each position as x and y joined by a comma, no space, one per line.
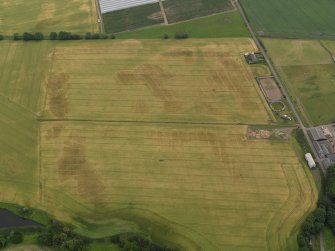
55,130
74,166
56,90
153,77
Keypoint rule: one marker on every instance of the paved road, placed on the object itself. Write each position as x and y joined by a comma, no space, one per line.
276,76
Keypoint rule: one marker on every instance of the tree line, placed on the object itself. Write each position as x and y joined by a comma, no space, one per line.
323,215
62,35
65,35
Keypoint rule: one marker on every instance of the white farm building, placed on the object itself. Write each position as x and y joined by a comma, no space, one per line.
310,160
114,5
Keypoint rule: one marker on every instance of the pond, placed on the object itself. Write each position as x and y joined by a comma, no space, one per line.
11,220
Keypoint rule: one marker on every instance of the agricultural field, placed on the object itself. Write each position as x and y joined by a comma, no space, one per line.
19,152
167,81
292,18
132,18
227,24
177,10
309,74
238,194
149,136
49,15
23,70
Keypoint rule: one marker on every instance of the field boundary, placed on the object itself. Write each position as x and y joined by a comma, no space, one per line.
101,23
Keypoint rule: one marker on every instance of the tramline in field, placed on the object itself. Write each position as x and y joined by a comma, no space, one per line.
149,136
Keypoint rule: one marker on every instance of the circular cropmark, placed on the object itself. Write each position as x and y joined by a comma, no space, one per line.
277,106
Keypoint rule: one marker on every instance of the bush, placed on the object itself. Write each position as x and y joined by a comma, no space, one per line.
112,36
181,35
63,35
38,36
88,35
26,36
165,36
103,36
1,37
24,212
53,36
15,237
16,36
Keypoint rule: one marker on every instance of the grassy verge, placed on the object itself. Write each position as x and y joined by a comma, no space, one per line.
222,25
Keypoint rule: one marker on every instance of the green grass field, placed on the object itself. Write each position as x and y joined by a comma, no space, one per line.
309,74
150,136
133,18
229,24
177,10
48,15
292,18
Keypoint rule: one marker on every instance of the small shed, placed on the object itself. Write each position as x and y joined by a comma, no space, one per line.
310,160
252,58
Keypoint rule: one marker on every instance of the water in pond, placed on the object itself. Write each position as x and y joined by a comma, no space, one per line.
11,220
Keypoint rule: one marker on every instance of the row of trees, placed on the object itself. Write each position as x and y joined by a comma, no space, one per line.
61,237
135,242
62,35
323,215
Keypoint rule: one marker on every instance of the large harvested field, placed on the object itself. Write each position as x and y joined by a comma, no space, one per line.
309,74
292,18
177,10
150,136
184,81
48,15
207,183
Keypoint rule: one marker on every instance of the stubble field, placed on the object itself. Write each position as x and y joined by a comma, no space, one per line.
149,136
48,15
133,80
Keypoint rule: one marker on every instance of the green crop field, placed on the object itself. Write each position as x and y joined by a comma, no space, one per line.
149,136
48,15
228,24
309,74
133,18
292,18
177,10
